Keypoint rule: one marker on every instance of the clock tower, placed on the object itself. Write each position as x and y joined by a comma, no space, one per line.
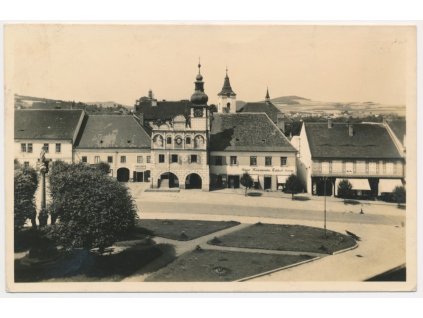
179,147
199,113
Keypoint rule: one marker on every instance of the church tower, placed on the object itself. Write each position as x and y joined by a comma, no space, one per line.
227,97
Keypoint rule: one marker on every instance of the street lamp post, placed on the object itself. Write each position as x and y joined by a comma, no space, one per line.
324,210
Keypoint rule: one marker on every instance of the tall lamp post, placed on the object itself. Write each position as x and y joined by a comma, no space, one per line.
324,209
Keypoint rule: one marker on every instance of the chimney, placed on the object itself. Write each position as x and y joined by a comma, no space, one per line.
281,122
350,130
150,94
330,123
141,117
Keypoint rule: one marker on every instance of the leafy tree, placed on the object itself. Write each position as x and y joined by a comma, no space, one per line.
247,181
213,108
293,185
103,167
399,195
93,210
345,189
25,185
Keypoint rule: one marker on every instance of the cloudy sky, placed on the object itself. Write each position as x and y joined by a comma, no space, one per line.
121,62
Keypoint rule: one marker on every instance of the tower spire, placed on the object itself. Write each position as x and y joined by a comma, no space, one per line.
226,89
267,99
199,97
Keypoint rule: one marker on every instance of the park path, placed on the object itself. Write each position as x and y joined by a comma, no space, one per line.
182,247
382,248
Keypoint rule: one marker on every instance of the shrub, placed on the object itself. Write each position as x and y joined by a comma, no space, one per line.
293,185
93,210
247,181
25,185
399,194
345,189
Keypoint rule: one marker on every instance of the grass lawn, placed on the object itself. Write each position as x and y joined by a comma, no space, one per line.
286,238
181,230
85,266
221,266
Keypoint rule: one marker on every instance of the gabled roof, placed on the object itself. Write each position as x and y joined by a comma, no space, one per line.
246,132
113,131
58,124
399,128
262,107
164,110
369,141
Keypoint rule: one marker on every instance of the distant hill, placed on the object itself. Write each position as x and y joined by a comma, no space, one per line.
31,102
289,100
108,104
300,106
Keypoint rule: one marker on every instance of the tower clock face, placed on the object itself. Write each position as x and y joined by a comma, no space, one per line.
198,112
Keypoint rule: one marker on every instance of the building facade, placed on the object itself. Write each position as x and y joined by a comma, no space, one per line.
249,143
51,131
179,146
364,154
118,140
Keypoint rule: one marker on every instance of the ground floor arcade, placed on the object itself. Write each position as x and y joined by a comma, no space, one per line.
361,187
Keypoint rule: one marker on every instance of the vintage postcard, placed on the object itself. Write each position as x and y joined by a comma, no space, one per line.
210,157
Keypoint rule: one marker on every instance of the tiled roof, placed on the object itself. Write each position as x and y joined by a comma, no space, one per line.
226,89
369,141
246,132
46,124
271,110
399,128
164,110
113,131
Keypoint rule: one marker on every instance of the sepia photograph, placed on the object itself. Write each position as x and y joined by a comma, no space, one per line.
210,157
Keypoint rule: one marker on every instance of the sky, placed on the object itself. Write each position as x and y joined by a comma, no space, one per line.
121,63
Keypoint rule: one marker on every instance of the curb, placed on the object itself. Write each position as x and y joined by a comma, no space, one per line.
277,269
346,249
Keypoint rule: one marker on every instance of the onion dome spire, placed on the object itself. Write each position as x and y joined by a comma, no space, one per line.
226,89
199,97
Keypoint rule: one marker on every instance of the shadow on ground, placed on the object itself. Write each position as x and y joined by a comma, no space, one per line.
351,202
254,194
84,265
301,198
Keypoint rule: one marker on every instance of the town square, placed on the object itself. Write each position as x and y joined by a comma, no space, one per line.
219,186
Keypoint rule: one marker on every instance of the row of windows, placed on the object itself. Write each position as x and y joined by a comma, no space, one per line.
268,161
175,158
199,141
140,159
368,167
27,147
